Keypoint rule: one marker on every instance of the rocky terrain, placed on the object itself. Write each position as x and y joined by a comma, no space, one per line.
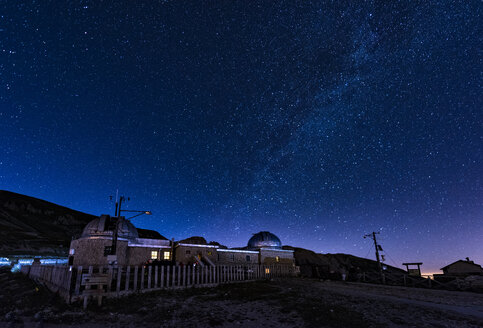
280,303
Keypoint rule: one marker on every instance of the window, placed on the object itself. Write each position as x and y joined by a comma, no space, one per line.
188,252
154,255
209,253
267,270
232,257
71,251
107,250
248,258
167,255
277,258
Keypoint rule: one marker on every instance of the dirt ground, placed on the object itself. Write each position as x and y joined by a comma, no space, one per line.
278,303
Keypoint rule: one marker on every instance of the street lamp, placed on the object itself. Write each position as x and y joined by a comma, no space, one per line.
139,213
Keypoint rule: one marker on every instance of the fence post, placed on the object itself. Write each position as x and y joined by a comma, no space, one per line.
179,276
135,278
189,282
110,278
118,282
174,272
167,276
184,275
87,288
150,271
162,276
404,278
78,280
156,276
193,275
142,278
128,272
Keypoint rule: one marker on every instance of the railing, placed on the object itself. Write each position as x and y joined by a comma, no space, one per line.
406,280
73,283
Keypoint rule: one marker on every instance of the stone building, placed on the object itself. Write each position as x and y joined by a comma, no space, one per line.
139,246
134,246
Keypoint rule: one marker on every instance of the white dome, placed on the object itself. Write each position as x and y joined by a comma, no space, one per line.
104,225
264,239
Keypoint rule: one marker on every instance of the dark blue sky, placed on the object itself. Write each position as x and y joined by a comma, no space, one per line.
320,121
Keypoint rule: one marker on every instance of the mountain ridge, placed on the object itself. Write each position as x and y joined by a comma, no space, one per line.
32,226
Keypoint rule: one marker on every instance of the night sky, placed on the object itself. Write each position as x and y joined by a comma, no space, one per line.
319,121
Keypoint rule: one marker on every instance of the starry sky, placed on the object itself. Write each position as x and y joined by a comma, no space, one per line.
319,121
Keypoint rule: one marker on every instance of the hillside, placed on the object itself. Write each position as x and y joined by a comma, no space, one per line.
31,226
333,265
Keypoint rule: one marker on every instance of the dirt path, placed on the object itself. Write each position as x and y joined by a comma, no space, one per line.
400,306
467,304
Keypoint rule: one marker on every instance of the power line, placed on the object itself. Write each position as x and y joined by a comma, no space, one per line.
394,262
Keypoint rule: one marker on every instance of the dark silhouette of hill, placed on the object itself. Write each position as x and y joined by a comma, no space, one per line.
333,265
31,226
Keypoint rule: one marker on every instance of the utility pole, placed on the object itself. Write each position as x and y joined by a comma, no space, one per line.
377,247
118,218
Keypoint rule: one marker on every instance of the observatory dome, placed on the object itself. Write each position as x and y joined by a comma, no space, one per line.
104,226
264,239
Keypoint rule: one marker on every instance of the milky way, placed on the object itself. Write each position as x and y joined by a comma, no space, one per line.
320,121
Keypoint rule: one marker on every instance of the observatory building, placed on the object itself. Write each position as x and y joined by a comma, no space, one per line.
136,246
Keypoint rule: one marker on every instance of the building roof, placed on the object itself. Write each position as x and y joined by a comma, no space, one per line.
466,262
264,239
150,234
194,240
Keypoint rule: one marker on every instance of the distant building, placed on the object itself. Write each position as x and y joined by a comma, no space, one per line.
139,246
462,268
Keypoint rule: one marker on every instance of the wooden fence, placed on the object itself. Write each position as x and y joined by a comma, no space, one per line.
414,281
113,281
57,278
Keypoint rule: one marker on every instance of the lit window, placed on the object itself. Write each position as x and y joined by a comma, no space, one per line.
72,251
277,258
209,253
248,258
154,255
166,255
267,270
